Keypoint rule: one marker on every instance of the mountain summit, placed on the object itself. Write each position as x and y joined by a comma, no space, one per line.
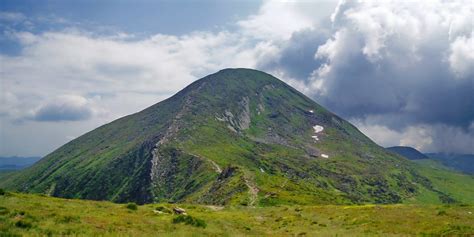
408,152
238,136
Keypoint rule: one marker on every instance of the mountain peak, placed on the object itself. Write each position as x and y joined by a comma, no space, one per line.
408,152
250,77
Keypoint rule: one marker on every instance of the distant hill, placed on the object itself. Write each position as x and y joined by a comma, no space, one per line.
407,152
236,137
16,163
461,162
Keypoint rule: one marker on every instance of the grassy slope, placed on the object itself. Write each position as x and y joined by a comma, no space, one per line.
80,217
457,185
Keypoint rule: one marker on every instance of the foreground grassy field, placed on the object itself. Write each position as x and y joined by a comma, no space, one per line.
27,214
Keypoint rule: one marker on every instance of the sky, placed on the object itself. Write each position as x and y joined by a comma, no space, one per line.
401,71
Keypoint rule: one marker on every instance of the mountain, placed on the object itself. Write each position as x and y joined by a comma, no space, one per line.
461,162
238,136
407,152
16,163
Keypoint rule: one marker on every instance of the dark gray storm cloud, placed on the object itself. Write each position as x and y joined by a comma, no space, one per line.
62,113
297,57
392,66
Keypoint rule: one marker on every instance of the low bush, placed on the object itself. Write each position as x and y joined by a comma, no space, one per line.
441,213
23,224
132,206
189,220
2,192
3,211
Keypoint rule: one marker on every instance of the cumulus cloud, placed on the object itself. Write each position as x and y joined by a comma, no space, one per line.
64,108
461,58
392,58
89,64
424,137
276,20
279,20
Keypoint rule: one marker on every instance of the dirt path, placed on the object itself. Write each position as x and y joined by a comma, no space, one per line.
216,167
253,191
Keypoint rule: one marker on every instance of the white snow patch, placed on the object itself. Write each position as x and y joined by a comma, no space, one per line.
324,156
261,170
311,111
318,128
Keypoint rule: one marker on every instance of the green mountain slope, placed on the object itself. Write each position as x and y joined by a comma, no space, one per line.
456,186
238,136
460,162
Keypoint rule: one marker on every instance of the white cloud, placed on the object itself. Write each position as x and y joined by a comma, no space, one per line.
77,62
461,58
65,108
278,20
424,137
12,16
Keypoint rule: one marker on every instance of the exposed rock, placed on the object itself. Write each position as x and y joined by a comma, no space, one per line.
179,211
244,118
170,133
240,122
227,172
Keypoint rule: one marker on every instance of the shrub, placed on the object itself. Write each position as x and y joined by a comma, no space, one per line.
2,192
189,220
23,224
442,213
132,206
3,211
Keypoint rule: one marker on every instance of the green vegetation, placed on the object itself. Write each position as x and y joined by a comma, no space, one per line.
189,220
236,137
132,206
454,185
35,215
